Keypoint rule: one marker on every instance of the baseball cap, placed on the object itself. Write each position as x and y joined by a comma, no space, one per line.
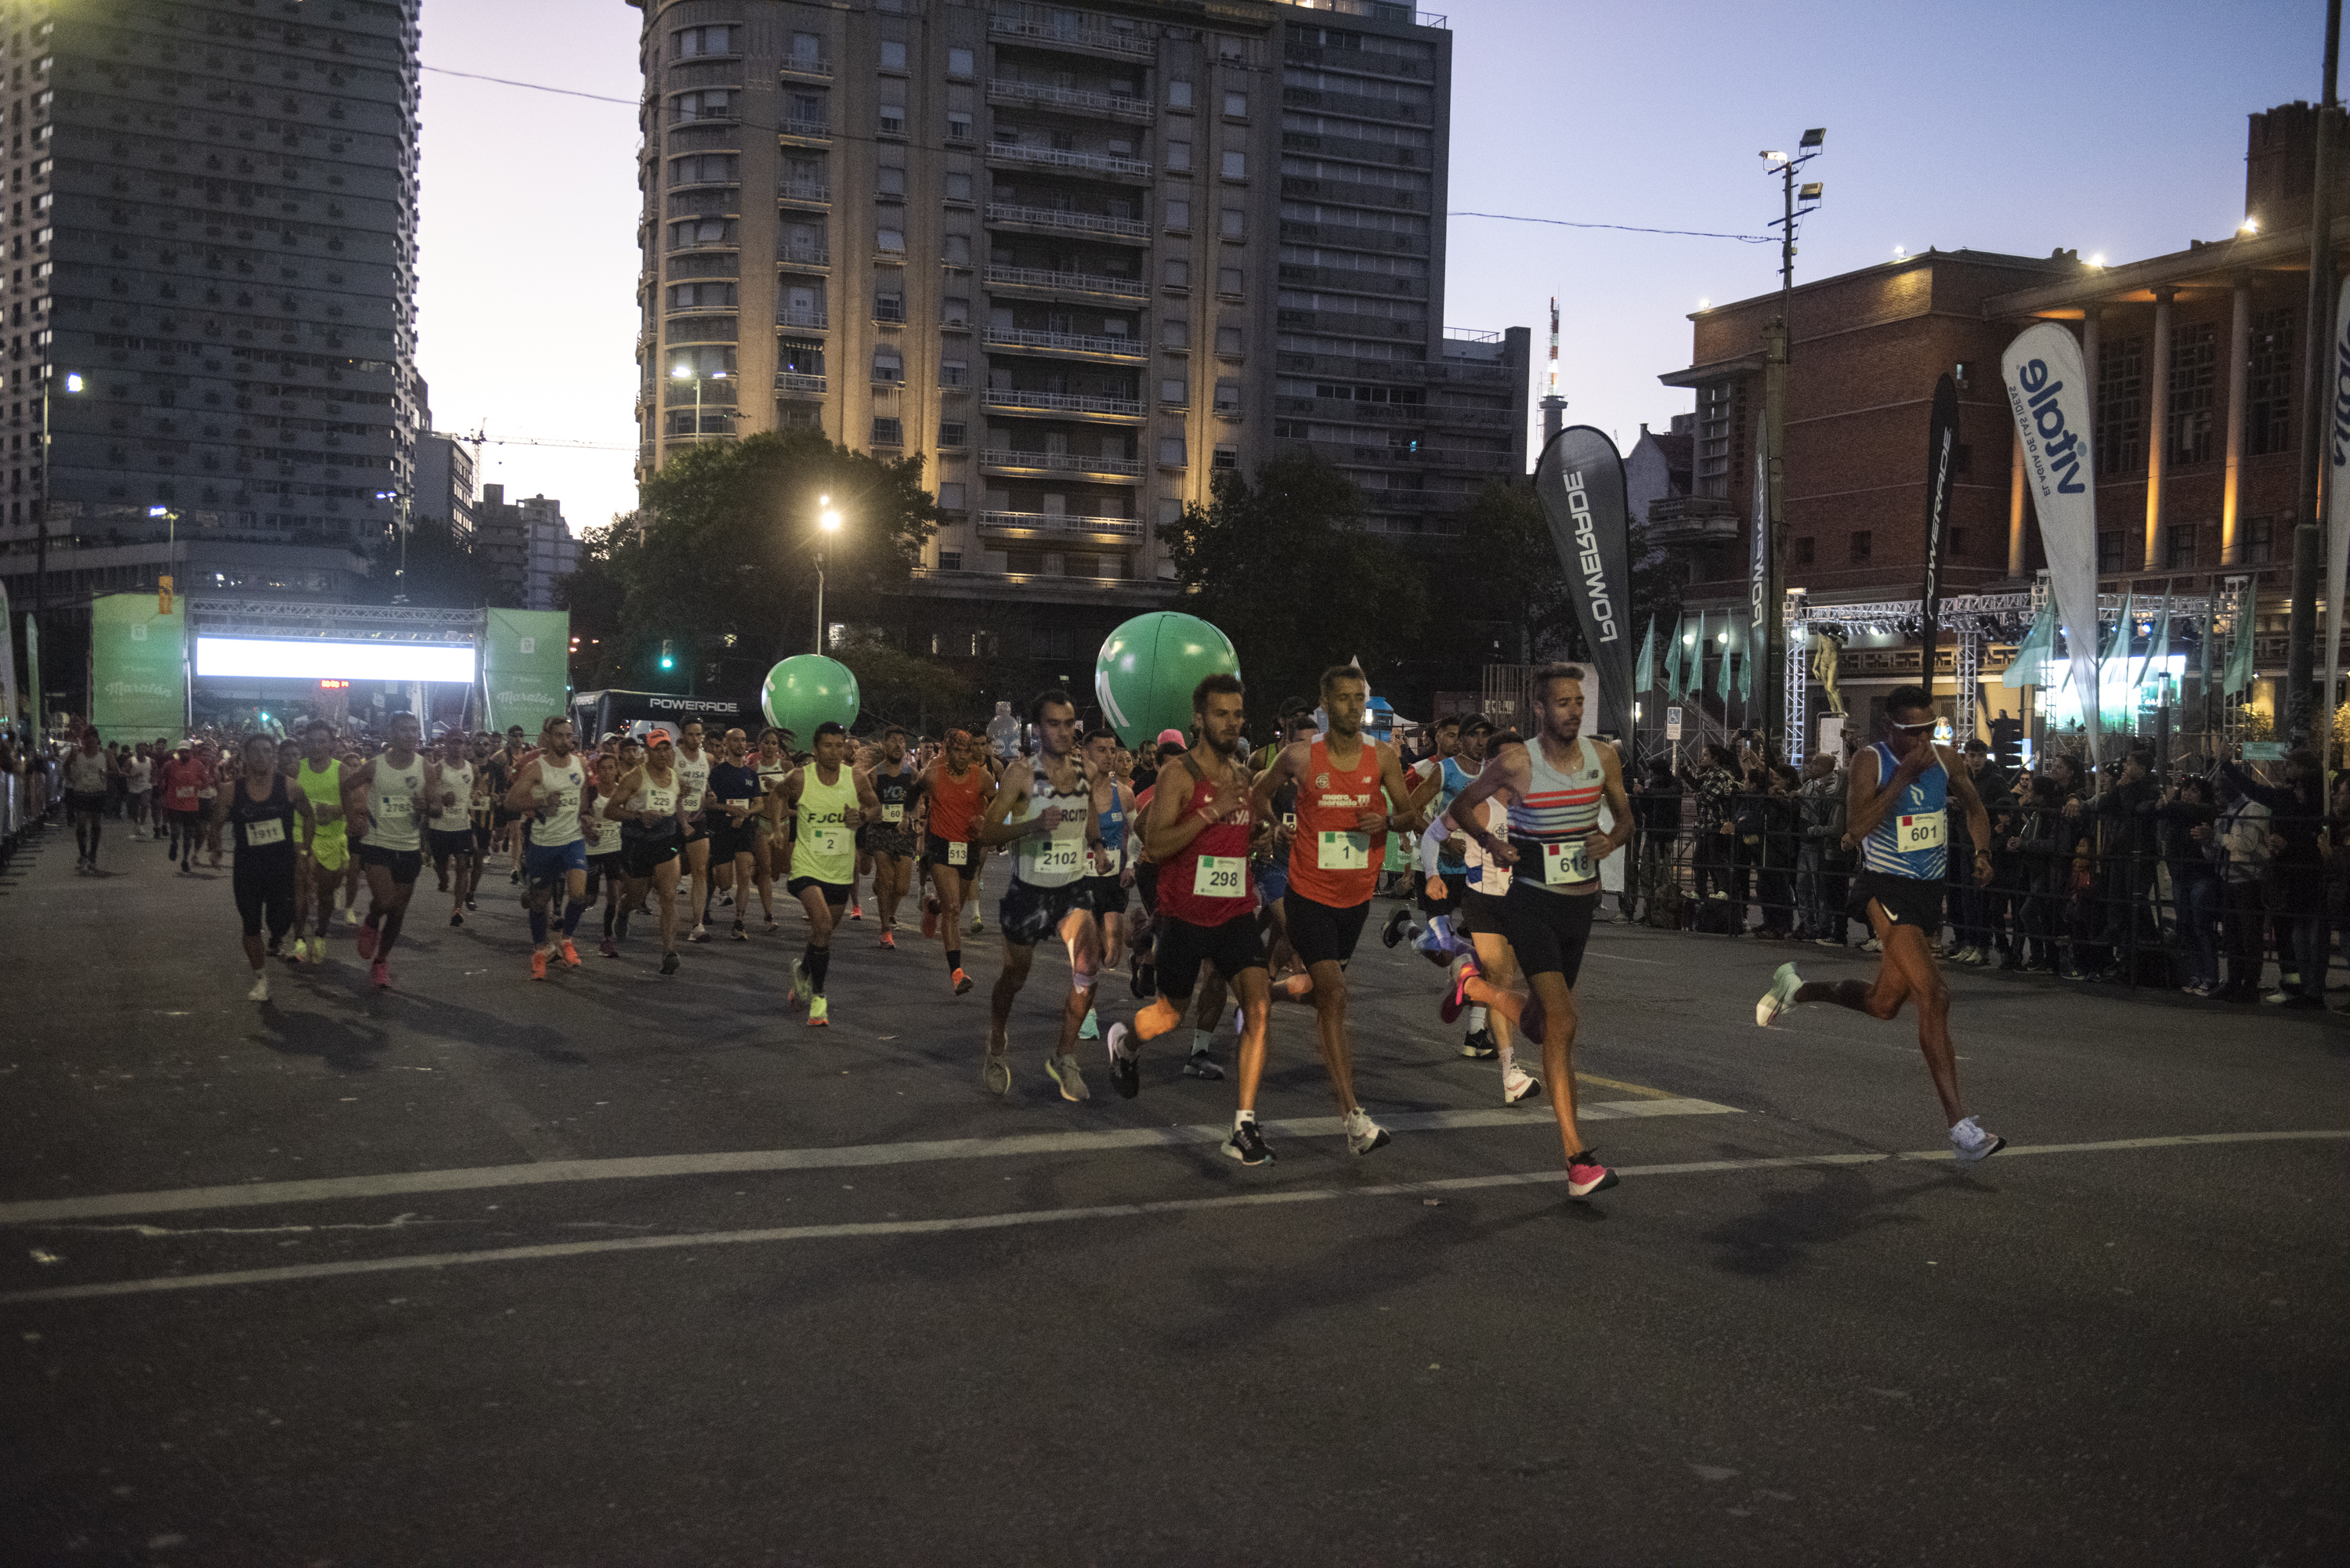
1173,737
1475,722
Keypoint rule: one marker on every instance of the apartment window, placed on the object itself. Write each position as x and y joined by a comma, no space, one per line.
2179,548
701,231
701,296
2268,383
1171,391
954,432
1236,105
1175,335
889,183
1179,157
958,187
893,119
1228,397
958,250
710,361
891,242
1863,542
2121,406
695,42
1227,457
1178,93
950,560
804,111
1801,554
1235,165
893,55
1235,225
1228,341
959,64
1231,49
958,125
1179,275
1713,410
807,51
1171,451
2194,390
1171,512
889,305
1178,216
2109,553
888,432
954,373
888,367
950,495
954,310
1229,281
2254,542
797,358
708,168
710,103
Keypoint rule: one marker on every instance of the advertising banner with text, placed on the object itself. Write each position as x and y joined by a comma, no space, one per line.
137,667
525,668
2048,393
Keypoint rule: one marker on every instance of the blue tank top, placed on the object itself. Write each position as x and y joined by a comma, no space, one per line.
1456,779
1913,841
1112,823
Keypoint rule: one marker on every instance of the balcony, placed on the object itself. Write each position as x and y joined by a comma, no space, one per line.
805,129
1124,106
1124,43
794,384
1080,403
1064,343
1055,158
815,256
813,191
806,66
1066,282
801,315
1000,459
1055,522
1066,222
1691,520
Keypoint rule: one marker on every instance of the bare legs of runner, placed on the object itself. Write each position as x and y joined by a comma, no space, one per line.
1908,970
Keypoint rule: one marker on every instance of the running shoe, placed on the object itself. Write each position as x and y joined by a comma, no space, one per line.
819,1013
470,906
260,991
1969,1142
381,974
1247,1145
1872,946
856,909
1456,1000
1586,1175
1517,1085
669,961
799,986
739,934
1201,1064
995,1074
1091,1028
930,917
701,934
316,951
1124,1062
772,927
368,938
607,950
1063,1071
978,921
538,963
1393,932
456,918
1364,1135
570,953
1780,997
274,944
889,940
1479,1046
962,983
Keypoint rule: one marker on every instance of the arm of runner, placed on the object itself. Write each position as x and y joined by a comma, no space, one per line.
354,780
518,798
995,825
1506,769
1962,785
1432,843
868,804
309,818
1404,817
1285,763
1172,823
1601,843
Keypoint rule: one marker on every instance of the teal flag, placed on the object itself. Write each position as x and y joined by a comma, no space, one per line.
2158,646
525,668
1694,675
1644,672
1746,672
2028,668
2118,645
1722,681
2239,647
1673,660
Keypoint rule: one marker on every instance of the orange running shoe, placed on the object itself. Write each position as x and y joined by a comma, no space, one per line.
961,983
889,938
538,963
570,953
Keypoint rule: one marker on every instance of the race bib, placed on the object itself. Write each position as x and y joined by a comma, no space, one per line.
744,804
1915,835
1338,851
1565,863
1219,877
958,852
893,814
1061,856
269,830
395,807
827,840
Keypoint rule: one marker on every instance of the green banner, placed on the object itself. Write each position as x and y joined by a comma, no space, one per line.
526,667
138,667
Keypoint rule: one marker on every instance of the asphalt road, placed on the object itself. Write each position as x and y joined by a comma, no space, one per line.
623,1269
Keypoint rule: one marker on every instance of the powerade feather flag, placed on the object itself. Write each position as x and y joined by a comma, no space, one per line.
2048,394
1580,483
1941,454
2337,493
1694,673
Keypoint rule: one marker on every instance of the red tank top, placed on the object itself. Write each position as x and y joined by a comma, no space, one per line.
1331,860
954,801
1192,880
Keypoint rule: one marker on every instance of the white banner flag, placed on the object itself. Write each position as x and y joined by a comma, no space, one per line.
2048,392
2338,502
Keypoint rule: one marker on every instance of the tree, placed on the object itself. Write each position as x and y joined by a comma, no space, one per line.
1281,565
596,594
1502,597
908,688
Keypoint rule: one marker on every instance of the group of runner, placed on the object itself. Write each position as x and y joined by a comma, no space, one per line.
1253,874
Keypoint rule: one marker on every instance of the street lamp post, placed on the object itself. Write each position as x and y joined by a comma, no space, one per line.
828,523
398,499
171,535
41,534
682,371
1769,620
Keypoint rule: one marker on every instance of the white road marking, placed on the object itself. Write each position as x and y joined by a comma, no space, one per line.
1096,1211
262,1194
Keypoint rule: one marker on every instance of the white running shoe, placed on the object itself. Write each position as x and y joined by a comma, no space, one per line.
260,991
1780,997
1063,1071
1969,1142
1364,1135
1518,1083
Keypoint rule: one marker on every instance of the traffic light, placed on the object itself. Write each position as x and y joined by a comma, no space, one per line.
669,654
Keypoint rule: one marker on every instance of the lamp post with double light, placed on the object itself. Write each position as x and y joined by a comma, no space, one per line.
1770,622
41,535
683,370
827,520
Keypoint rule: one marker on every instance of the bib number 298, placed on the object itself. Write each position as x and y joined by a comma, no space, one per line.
1219,877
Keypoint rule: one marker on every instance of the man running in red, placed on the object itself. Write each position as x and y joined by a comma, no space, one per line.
960,788
184,777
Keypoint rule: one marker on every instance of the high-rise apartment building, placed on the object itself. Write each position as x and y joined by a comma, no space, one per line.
1078,258
444,487
526,545
211,236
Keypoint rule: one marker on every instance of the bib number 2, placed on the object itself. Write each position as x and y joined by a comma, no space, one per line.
1219,877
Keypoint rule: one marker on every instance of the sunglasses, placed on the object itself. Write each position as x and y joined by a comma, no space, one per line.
1928,724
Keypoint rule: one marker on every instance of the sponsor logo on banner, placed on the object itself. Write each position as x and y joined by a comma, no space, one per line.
138,689
1579,484
694,705
1587,559
2047,391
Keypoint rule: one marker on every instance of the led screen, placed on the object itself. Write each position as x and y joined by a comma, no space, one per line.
291,659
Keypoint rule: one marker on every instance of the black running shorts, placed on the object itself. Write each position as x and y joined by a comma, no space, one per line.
936,851
638,858
1030,913
835,893
1320,933
403,864
1485,913
1230,947
1905,901
1106,896
1547,931
445,843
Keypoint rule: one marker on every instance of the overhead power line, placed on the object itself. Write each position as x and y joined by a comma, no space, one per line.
1626,228
533,87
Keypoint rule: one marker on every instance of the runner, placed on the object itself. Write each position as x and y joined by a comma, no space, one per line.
489,784
652,837
1047,816
450,811
1196,831
87,772
1896,815
215,766
548,788
603,833
504,832
693,766
824,800
958,790
773,767
1553,851
398,784
735,794
890,835
320,779
1334,868
138,786
261,808
1112,870
183,780
1482,898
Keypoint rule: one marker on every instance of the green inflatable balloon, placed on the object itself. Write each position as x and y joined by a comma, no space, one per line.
807,690
1146,668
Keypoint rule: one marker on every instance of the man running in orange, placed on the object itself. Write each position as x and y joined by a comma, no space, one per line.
959,788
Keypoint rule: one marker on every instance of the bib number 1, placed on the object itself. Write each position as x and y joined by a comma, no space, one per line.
1343,851
1219,877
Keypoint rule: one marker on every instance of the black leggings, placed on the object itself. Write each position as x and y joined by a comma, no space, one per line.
265,892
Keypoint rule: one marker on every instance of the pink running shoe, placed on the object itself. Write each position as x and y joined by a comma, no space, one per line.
368,938
1586,1175
381,975
1456,1000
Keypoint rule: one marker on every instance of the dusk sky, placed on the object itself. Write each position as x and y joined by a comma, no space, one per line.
2109,128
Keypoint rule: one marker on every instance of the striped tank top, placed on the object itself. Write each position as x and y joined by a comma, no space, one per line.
1058,859
1913,841
1548,822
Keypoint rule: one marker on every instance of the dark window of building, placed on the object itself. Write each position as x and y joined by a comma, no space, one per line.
888,433
2194,391
1954,544
2121,406
2178,551
2254,542
1803,552
1714,440
1863,543
2109,552
1227,457
2268,383
950,560
954,432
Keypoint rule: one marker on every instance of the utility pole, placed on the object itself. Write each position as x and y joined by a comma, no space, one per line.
2302,721
1769,651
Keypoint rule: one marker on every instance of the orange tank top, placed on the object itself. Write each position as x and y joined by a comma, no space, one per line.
1331,860
954,801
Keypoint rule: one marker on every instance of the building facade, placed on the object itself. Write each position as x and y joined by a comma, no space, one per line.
526,546
1078,259
211,292
445,486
